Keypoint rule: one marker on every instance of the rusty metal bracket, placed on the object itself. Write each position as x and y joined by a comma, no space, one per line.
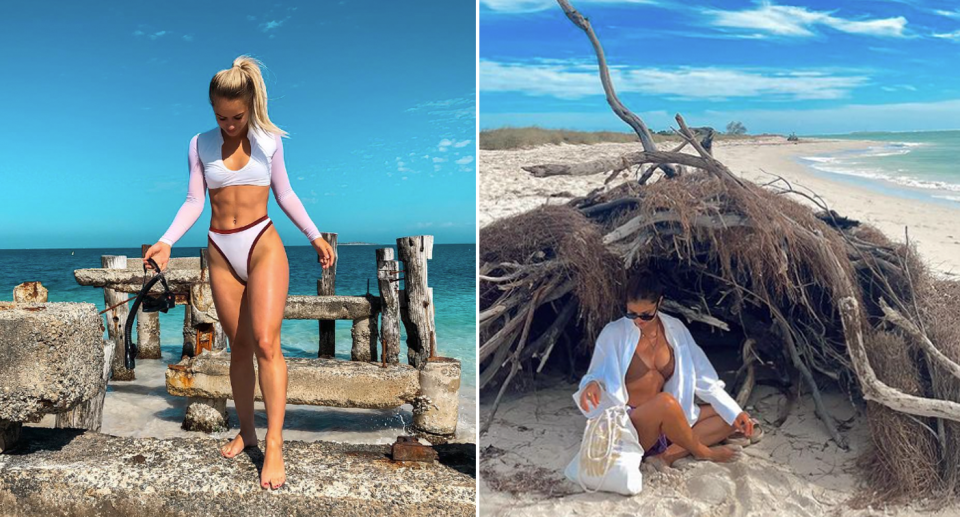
408,448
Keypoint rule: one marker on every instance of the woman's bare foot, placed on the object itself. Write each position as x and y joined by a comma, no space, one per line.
273,476
659,462
238,444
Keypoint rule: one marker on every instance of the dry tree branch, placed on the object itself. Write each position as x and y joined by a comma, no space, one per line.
914,331
646,139
873,388
515,359
606,164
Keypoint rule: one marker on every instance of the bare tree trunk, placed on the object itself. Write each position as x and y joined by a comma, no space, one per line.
635,122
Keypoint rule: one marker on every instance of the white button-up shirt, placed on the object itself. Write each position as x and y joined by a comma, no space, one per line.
692,374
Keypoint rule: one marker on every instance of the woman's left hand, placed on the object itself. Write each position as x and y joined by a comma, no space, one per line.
744,424
324,251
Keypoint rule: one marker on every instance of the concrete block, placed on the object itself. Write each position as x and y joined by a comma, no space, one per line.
51,358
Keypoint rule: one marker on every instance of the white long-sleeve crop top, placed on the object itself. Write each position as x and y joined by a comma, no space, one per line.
265,167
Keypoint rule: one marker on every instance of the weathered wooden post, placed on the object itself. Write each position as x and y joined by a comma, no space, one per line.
326,286
148,325
388,281
414,252
116,318
189,335
364,334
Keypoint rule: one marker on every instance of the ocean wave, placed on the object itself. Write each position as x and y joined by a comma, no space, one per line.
851,164
948,198
879,174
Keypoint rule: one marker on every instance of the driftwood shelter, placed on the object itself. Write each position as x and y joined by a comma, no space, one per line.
802,296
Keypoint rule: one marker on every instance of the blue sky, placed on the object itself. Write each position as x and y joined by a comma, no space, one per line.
101,100
804,66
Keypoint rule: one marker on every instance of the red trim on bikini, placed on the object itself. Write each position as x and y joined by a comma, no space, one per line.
242,228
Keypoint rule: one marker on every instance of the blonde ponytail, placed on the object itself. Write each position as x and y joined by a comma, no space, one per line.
243,80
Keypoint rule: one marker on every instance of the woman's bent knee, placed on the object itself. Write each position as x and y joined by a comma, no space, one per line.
668,402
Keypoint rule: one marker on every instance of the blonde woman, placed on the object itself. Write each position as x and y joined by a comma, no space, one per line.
239,161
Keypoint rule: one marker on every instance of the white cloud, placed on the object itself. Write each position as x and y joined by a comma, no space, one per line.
955,35
462,143
156,35
444,144
529,6
437,159
272,24
465,160
899,87
574,81
457,109
955,14
187,37
138,33
785,20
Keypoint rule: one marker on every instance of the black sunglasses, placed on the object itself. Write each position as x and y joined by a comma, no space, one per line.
646,316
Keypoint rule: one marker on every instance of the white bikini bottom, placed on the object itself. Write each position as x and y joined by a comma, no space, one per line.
237,245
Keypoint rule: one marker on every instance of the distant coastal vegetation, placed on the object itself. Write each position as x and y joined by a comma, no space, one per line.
519,137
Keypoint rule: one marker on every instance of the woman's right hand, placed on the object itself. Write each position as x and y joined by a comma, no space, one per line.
590,394
160,253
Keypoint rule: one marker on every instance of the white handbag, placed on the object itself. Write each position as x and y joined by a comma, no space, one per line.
610,454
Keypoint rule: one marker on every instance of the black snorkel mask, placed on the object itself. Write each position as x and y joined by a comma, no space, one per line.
151,303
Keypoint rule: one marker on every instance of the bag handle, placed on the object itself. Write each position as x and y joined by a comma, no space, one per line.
609,417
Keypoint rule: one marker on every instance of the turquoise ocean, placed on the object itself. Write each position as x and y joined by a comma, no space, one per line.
143,408
918,165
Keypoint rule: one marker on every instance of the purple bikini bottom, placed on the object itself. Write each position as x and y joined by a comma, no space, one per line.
662,441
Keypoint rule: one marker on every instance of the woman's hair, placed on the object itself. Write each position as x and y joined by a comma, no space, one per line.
644,285
244,81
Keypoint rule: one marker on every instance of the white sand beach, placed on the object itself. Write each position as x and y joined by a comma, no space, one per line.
795,470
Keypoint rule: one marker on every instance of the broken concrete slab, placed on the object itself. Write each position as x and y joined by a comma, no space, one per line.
311,381
51,358
334,307
96,474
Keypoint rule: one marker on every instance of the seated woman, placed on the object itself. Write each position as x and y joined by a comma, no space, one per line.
650,362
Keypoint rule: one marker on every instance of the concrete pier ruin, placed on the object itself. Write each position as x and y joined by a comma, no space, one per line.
374,378
65,472
54,359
